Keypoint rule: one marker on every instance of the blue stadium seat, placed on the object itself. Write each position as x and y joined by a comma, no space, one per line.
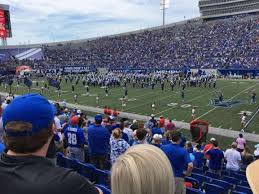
245,184
195,182
243,189
214,189
200,178
102,177
222,183
87,170
231,180
193,191
104,189
198,170
72,163
240,177
212,175
61,160
236,192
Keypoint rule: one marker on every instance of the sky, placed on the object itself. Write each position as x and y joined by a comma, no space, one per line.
40,21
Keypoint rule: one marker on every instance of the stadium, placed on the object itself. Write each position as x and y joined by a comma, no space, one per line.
165,109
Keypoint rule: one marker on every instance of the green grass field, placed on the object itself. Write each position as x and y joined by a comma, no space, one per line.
168,103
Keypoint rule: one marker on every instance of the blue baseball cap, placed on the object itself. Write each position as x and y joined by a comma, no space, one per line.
31,108
98,118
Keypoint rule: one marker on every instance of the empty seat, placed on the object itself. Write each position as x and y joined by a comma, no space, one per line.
231,180
104,189
243,189
193,191
61,160
236,192
245,184
87,170
214,189
200,178
197,170
102,177
72,163
212,175
227,186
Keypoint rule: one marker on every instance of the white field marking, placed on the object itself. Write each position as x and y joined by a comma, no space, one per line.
197,97
148,102
62,91
227,100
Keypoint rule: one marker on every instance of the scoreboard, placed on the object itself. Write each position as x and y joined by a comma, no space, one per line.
5,22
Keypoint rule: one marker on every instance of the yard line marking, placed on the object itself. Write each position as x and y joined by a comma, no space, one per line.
148,102
226,100
197,97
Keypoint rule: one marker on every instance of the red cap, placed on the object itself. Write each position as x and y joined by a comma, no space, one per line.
74,120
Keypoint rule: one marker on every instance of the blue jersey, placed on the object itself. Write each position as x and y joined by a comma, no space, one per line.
74,136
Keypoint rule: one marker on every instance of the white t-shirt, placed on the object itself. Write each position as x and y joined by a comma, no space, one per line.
233,158
57,123
129,132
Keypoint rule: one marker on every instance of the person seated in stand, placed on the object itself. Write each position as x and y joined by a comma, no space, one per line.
29,128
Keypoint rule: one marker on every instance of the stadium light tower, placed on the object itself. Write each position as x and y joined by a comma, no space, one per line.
164,4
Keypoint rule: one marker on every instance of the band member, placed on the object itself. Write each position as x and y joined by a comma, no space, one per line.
87,90
42,90
153,107
163,86
73,88
123,102
253,97
59,94
194,112
97,99
106,91
75,98
126,92
182,95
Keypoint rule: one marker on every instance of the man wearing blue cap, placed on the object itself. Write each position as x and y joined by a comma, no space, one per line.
24,169
98,139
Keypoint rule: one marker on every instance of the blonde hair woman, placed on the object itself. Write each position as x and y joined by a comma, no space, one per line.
142,169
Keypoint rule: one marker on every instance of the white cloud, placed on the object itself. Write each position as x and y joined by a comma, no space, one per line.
46,20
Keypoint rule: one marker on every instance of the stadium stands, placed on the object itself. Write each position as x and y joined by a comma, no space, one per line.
225,43
200,182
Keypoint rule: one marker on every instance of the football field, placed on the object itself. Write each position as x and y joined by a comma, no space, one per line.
237,94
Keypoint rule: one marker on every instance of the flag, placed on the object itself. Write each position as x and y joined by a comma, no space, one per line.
27,82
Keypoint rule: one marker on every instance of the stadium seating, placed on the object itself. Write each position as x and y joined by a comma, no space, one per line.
102,177
227,187
87,170
243,189
231,180
61,160
193,191
214,189
212,175
225,43
104,189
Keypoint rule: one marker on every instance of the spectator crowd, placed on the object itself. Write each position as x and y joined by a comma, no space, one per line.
107,143
225,43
